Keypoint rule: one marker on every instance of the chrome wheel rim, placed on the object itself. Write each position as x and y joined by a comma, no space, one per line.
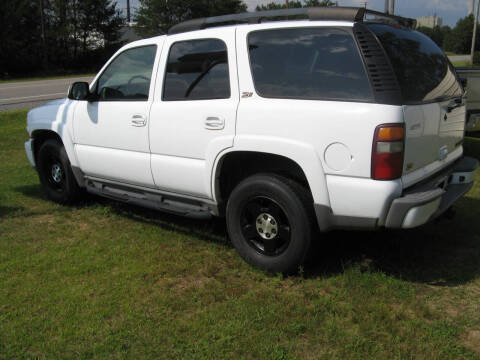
57,173
53,171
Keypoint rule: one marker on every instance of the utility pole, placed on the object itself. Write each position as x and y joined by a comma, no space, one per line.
474,36
128,11
286,3
386,6
392,7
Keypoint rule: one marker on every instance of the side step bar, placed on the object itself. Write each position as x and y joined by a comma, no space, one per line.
156,201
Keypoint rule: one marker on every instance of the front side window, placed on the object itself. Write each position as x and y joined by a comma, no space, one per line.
308,63
422,69
197,70
127,78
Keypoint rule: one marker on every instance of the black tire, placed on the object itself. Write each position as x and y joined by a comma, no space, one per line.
255,206
55,173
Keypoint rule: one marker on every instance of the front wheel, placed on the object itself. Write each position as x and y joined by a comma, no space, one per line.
269,222
55,173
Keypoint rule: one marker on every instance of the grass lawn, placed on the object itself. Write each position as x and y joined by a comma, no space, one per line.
467,64
462,64
106,280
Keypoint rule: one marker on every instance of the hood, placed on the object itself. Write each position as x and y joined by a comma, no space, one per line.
44,116
55,102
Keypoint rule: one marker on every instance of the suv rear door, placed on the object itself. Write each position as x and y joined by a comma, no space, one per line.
194,112
434,109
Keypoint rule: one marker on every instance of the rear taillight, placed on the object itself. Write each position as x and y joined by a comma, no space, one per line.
387,152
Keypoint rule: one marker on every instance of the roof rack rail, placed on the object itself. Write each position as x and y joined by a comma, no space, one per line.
312,13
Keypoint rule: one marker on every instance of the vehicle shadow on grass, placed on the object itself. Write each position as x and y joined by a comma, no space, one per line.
5,211
211,230
33,191
445,252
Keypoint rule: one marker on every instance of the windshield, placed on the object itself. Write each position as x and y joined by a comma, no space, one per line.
422,69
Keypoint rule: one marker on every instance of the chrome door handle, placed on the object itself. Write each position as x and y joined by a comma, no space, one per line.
214,123
139,120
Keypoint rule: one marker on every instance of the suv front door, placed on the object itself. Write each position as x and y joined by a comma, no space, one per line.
111,130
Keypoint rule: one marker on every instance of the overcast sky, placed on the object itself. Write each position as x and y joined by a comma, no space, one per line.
449,10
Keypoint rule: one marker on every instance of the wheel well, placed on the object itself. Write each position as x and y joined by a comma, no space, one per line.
40,136
236,166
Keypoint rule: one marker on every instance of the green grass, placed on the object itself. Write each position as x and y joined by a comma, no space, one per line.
462,64
106,280
39,78
466,64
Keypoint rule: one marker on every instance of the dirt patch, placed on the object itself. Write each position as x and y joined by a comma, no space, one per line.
45,219
82,226
472,340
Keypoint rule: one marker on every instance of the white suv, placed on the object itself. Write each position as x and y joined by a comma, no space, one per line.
346,119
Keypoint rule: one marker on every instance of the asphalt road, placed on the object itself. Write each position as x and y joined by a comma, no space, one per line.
27,94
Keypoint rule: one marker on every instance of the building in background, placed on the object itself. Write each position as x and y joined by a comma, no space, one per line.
429,21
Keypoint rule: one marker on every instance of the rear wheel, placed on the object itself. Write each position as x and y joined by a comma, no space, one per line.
269,222
56,174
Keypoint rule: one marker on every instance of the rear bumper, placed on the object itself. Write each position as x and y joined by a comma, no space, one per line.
425,202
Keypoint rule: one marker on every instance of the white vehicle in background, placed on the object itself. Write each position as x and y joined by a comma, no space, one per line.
470,78
346,119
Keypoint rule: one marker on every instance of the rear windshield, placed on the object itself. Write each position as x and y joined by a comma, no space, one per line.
308,63
422,69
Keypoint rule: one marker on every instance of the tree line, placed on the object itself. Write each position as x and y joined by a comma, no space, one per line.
41,37
67,36
54,36
458,39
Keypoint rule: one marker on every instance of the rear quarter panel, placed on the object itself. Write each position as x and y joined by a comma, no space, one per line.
336,135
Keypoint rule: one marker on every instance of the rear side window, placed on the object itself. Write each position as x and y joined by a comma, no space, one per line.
197,70
422,69
308,63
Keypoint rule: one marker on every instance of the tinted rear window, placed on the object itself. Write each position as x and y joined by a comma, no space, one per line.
422,69
197,70
308,63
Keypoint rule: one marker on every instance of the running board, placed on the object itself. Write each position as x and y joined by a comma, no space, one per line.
151,200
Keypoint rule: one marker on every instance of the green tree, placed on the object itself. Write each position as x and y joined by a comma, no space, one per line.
20,36
99,19
447,33
437,34
459,40
79,35
275,6
295,4
156,16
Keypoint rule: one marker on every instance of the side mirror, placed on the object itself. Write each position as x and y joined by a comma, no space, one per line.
79,91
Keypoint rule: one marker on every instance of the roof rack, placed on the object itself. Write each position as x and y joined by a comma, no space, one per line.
312,13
